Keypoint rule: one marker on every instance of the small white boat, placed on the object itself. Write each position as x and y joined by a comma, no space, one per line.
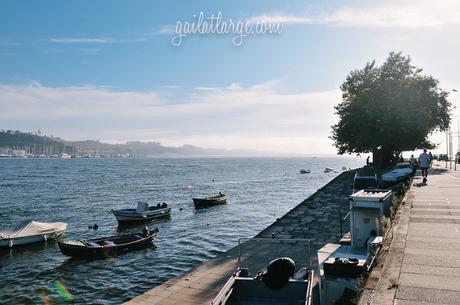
143,212
305,171
30,231
328,170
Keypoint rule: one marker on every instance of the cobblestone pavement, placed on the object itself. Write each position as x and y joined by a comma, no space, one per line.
423,262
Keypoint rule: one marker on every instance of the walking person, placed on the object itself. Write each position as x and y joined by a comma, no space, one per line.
424,164
413,163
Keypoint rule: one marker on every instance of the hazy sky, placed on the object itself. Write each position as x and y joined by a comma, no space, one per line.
108,70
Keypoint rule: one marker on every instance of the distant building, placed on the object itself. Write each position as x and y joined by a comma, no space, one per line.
20,153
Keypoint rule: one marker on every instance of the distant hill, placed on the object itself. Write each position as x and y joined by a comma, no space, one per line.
37,144
32,143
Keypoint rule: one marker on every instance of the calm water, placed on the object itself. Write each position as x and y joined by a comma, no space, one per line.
81,192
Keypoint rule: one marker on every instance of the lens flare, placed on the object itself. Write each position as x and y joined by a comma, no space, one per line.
63,291
44,297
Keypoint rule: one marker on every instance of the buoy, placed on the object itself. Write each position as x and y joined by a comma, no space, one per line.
180,209
95,227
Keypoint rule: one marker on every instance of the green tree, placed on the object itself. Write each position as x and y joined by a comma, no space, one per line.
389,109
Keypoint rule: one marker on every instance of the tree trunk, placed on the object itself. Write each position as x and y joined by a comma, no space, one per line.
382,158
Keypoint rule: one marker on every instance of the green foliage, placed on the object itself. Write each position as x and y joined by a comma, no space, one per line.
23,140
389,109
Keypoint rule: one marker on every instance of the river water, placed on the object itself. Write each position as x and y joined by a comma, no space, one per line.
82,192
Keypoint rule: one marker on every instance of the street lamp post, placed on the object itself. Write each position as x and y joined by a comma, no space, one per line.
450,148
447,146
449,141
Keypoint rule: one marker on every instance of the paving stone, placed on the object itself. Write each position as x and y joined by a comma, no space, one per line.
429,270
432,270
428,295
407,302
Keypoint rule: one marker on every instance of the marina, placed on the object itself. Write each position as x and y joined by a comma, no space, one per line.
339,260
334,260
229,152
316,219
265,190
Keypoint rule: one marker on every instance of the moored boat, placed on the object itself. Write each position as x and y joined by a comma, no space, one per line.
281,283
209,201
143,212
105,247
30,231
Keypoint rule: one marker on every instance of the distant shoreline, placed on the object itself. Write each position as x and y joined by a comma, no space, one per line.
177,157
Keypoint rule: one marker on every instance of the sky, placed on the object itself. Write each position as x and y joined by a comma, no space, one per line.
113,70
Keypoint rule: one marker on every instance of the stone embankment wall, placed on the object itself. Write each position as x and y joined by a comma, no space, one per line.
318,217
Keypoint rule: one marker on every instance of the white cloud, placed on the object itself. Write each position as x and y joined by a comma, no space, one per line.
284,19
74,40
232,117
205,88
166,30
400,14
145,37
90,50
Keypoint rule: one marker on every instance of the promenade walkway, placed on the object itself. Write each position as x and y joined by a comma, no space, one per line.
423,262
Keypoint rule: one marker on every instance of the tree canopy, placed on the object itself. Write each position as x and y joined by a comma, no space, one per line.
389,109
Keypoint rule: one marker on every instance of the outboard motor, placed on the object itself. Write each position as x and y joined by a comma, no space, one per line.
146,231
278,273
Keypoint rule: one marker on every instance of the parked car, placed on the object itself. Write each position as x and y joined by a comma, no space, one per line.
443,157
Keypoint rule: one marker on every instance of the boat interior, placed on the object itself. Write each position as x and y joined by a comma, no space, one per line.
247,291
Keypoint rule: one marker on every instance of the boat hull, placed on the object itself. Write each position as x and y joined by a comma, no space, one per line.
244,290
130,215
84,251
26,240
207,202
